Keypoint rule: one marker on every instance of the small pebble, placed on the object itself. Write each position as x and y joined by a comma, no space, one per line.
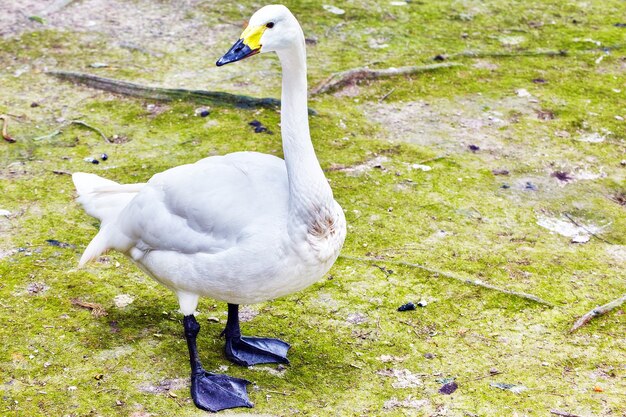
448,388
474,148
104,157
531,186
258,127
202,111
54,242
561,176
407,307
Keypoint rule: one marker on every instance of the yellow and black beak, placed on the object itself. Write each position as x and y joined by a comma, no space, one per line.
249,44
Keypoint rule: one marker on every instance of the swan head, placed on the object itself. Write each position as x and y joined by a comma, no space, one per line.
271,29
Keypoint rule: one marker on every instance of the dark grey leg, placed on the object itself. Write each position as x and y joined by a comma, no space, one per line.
211,392
247,351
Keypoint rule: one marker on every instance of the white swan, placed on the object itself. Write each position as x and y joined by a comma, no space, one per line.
241,228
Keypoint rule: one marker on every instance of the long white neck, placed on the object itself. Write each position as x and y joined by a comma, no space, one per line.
309,191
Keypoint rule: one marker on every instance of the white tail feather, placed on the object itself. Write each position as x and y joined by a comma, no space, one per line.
103,199
96,247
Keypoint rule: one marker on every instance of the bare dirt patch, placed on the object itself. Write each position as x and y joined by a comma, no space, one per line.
457,124
147,26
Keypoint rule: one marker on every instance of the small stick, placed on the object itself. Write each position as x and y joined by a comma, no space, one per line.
563,413
340,79
95,129
96,309
276,392
433,159
51,135
539,52
380,100
586,230
479,54
487,376
5,123
596,312
455,277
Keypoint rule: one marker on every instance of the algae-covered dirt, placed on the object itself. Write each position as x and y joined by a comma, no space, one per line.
508,170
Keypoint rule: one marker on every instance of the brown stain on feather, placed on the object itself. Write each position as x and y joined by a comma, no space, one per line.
322,227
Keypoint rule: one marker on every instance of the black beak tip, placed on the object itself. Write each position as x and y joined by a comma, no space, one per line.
237,52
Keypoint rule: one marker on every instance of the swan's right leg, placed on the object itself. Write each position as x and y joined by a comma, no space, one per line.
211,392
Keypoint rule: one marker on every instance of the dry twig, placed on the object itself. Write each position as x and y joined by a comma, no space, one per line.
48,136
73,122
571,219
504,54
537,52
453,276
96,309
380,100
5,123
598,311
95,129
340,79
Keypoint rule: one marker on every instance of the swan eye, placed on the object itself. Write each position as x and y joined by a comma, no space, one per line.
269,25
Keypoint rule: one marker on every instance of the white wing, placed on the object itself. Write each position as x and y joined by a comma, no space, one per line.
206,207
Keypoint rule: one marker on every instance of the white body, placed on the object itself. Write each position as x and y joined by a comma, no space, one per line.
242,228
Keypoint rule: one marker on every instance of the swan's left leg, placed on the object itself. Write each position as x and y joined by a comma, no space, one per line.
211,392
247,351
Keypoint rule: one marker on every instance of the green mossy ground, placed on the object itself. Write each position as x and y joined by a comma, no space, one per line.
454,218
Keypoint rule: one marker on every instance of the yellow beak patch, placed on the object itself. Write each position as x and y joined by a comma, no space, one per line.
251,37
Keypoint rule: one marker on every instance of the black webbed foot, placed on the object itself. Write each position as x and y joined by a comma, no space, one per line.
215,392
247,351
212,392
